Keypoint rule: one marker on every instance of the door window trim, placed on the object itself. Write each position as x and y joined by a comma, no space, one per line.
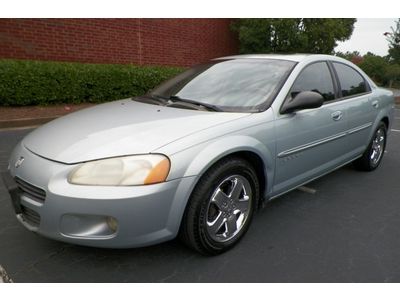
340,98
335,82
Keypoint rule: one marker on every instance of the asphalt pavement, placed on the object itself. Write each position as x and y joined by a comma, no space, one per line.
347,231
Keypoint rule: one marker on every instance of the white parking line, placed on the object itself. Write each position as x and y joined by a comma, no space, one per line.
306,189
395,130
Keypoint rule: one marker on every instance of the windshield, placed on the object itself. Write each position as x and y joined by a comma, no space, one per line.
232,85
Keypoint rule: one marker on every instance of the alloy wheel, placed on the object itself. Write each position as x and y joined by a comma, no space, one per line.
378,146
228,208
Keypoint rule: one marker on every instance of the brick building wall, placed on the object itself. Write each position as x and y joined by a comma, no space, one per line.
174,42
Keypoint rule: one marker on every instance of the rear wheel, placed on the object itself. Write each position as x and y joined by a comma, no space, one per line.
221,206
373,155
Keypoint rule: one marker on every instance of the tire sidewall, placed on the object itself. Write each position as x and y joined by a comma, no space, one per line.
239,168
371,164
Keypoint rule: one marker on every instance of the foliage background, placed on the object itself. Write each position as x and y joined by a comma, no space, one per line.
292,35
311,35
25,82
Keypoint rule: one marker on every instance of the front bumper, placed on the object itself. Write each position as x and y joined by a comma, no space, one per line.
77,214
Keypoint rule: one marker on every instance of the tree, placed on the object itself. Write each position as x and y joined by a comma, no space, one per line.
375,66
392,74
394,43
292,35
355,56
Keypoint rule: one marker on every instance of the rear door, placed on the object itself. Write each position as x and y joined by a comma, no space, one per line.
362,108
311,141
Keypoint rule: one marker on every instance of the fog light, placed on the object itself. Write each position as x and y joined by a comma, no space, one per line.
112,223
88,226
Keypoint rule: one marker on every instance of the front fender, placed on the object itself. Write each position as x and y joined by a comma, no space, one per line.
202,157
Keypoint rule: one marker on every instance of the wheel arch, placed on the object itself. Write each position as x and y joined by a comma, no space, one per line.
258,165
203,157
382,117
386,121
248,148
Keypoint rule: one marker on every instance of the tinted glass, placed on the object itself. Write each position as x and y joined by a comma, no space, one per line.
229,84
316,78
351,82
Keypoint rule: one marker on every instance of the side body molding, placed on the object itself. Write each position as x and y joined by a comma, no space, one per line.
324,140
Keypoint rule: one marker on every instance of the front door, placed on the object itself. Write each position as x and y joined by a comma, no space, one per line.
310,142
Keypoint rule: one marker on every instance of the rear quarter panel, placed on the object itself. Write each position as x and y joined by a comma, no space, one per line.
386,107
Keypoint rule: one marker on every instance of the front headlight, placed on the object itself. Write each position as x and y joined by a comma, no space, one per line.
122,171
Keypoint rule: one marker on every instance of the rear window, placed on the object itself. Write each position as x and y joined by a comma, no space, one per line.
351,82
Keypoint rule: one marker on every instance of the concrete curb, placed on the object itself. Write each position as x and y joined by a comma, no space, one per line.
26,122
4,278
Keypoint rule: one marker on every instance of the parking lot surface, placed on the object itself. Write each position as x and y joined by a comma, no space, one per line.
347,231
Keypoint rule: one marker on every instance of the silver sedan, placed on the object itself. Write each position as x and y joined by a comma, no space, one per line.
197,156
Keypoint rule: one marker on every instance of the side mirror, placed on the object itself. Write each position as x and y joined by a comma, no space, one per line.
303,100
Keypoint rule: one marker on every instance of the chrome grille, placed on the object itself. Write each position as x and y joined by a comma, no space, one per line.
30,190
30,216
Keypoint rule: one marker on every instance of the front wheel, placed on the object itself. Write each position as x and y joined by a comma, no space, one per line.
372,156
221,206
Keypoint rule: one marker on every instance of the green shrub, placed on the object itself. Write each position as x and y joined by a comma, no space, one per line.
24,82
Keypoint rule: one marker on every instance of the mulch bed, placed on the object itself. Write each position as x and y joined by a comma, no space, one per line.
27,112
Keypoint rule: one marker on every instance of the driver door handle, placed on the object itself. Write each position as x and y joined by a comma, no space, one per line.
337,115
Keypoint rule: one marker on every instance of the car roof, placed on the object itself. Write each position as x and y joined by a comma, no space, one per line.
300,58
291,57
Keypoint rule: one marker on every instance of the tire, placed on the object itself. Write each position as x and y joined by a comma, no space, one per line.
220,207
373,155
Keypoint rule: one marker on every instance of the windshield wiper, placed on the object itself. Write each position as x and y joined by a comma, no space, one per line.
174,99
151,98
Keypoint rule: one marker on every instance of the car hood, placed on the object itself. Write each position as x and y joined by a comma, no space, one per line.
118,128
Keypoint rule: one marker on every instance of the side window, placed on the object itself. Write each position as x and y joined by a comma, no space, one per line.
317,78
351,82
